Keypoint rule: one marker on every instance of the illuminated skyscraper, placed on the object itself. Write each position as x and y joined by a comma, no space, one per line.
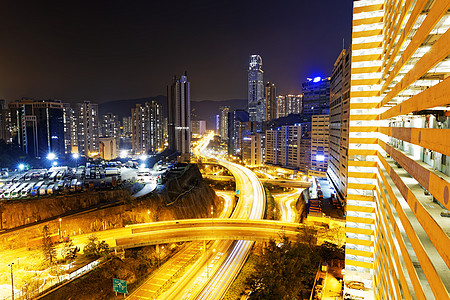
37,126
398,159
223,130
271,101
256,105
179,116
147,128
87,128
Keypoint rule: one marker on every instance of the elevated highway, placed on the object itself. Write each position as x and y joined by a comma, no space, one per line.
280,182
204,229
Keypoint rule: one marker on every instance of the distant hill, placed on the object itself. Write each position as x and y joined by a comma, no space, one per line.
200,110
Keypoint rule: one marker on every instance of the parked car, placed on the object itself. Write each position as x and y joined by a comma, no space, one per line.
357,285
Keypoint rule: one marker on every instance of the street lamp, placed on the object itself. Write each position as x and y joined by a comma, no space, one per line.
12,281
60,233
21,167
76,156
51,156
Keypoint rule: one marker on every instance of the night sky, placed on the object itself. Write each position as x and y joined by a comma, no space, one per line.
108,50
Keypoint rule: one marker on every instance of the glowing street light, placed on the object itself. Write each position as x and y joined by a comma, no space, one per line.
76,155
12,280
60,233
21,167
51,156
143,157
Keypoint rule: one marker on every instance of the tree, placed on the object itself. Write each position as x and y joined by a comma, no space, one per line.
285,271
69,251
48,247
95,249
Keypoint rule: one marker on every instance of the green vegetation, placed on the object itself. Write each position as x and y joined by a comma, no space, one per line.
48,247
69,251
95,249
271,212
285,270
228,185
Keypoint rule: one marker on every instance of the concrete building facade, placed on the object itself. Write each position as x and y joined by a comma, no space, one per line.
398,167
339,121
271,101
87,128
179,116
320,135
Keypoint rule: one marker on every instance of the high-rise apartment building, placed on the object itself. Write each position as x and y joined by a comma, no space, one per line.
147,128
70,129
252,154
271,101
139,133
339,121
4,121
320,134
223,130
289,104
398,160
37,126
87,128
126,125
256,105
198,127
179,116
283,146
110,125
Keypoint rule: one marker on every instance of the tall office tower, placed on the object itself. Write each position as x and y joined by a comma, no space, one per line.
238,120
316,101
320,134
179,116
339,119
398,158
126,125
223,130
87,128
37,126
256,105
198,127
70,138
316,97
271,101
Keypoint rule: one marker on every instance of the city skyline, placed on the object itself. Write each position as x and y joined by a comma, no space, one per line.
104,58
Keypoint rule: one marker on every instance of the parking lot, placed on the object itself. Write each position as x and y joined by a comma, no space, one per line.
41,182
